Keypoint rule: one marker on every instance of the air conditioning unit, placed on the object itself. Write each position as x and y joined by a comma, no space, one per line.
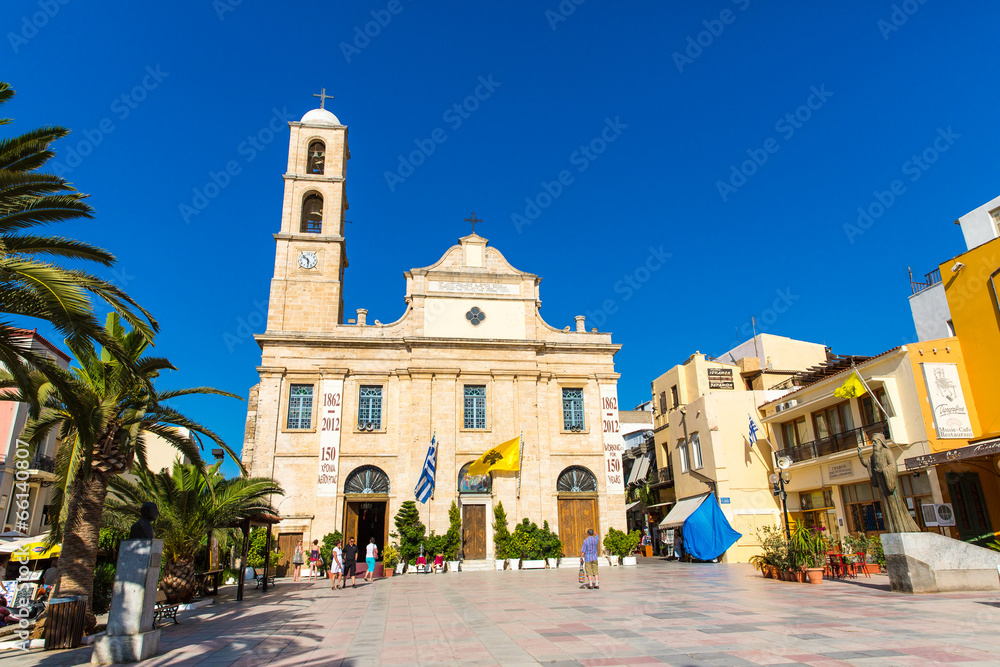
938,515
780,407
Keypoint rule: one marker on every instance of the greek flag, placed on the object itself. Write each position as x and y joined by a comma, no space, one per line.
425,485
753,431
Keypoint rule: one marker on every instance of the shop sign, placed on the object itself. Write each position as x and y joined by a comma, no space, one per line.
944,389
988,448
723,501
720,378
842,470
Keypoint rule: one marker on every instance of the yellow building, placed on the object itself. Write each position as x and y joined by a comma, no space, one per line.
820,433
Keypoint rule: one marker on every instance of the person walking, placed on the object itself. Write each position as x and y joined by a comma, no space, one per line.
588,556
314,561
337,564
350,562
297,561
371,554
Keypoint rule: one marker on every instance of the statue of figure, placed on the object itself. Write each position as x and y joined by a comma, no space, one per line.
881,467
143,528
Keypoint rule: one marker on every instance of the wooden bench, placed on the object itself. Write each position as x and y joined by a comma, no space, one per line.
210,577
164,609
251,573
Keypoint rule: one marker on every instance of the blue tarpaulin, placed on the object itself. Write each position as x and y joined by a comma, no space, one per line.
707,533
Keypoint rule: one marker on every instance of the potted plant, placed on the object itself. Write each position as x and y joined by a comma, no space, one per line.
452,542
526,542
550,545
409,531
622,545
875,553
809,546
390,559
501,537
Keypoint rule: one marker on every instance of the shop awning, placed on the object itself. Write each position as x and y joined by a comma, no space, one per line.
639,469
682,510
653,507
33,547
706,531
632,506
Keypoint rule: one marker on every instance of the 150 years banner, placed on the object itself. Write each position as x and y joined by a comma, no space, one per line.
613,445
331,400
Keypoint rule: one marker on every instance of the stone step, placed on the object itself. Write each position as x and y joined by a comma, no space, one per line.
477,566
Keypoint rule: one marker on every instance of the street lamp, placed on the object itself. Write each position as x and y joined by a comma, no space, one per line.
778,481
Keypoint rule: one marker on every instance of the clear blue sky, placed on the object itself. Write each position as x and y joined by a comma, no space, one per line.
683,122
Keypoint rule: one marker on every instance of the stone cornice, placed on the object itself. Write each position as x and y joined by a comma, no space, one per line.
411,342
282,236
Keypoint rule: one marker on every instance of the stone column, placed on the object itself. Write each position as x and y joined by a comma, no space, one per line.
130,635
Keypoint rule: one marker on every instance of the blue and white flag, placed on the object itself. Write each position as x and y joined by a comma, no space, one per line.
753,431
425,485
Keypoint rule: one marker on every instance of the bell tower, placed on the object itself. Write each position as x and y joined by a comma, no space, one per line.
310,255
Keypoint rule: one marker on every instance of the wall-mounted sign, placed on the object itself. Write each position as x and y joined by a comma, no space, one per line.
944,389
472,288
720,378
841,470
613,446
988,448
723,501
331,404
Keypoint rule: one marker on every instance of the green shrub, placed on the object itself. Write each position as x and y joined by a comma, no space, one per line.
104,581
875,550
258,545
620,543
390,556
453,538
549,542
501,534
409,530
525,541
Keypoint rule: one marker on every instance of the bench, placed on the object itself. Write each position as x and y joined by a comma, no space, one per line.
251,573
164,609
210,577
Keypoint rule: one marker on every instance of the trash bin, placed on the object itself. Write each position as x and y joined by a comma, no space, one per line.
64,620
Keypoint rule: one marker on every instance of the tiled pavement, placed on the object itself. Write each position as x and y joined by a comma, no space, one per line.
677,614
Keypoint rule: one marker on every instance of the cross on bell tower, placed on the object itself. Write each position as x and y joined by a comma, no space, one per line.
472,219
323,97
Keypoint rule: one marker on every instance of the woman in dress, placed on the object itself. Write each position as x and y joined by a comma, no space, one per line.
337,566
315,562
297,561
370,555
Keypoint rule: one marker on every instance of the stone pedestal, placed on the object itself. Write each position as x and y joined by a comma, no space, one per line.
932,563
130,636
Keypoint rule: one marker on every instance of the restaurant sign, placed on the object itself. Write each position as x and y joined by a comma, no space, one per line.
944,390
987,448
720,378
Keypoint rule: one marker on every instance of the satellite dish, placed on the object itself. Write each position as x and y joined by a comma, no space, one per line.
784,462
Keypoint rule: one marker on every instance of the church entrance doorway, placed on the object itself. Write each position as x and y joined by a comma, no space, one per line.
366,501
286,545
364,519
474,531
577,488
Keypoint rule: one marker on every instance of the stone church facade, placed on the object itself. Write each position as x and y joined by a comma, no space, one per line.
344,413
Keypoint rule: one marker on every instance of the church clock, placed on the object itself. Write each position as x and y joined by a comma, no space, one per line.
307,260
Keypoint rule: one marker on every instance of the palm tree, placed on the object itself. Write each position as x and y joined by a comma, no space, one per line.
32,286
192,502
103,411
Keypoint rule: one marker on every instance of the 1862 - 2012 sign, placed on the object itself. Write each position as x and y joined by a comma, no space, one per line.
613,446
329,437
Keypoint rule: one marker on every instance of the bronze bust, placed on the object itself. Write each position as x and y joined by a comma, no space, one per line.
143,528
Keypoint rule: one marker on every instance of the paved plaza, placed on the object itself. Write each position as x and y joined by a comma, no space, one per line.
658,612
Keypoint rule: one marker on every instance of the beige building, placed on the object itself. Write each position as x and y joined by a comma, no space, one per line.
826,484
702,426
344,413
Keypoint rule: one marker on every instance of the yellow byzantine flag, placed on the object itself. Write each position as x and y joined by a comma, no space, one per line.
853,388
505,456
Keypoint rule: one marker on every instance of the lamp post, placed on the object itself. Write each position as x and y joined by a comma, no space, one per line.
778,481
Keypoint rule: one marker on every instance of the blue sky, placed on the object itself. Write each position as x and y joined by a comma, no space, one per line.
689,93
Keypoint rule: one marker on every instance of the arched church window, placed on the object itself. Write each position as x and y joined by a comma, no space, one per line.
312,214
316,162
576,479
367,479
474,483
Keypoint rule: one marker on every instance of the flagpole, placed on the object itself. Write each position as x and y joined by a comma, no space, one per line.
869,390
520,458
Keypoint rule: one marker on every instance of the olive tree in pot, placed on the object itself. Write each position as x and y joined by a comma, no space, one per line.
622,544
550,545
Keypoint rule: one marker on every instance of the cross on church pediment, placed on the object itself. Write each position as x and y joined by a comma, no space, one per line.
472,219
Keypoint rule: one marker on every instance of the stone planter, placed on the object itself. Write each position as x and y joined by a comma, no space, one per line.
499,564
629,560
552,562
453,565
814,575
532,564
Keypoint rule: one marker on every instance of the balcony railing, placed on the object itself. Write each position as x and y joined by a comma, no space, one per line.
43,464
930,280
662,476
839,442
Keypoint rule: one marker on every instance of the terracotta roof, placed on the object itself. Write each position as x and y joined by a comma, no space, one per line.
841,369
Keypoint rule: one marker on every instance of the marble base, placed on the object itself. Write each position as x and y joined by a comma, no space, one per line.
932,563
119,649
